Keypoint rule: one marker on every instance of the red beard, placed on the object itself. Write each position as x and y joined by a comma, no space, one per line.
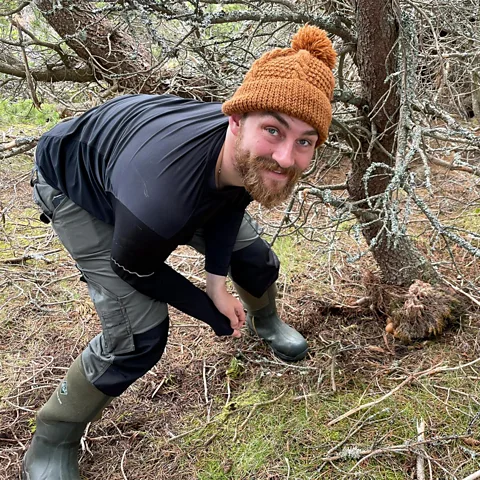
250,168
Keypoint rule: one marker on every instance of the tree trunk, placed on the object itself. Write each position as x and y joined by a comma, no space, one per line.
398,259
113,54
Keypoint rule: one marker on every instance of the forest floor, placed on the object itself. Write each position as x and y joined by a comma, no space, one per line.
223,408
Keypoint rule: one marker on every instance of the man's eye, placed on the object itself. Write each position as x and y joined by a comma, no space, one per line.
272,131
305,143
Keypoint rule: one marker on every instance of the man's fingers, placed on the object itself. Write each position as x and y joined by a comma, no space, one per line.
233,320
237,321
240,314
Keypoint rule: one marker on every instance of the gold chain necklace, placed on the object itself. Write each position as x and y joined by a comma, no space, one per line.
219,167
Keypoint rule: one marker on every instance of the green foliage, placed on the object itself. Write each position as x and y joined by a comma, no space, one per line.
293,256
32,425
23,111
470,220
235,369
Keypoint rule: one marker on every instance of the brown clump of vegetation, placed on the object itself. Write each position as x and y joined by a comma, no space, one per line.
426,312
418,312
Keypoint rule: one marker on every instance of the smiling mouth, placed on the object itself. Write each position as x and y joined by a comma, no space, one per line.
277,172
276,175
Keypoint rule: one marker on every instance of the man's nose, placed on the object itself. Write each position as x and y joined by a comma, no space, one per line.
283,154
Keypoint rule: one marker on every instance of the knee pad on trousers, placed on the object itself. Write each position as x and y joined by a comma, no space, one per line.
255,268
126,368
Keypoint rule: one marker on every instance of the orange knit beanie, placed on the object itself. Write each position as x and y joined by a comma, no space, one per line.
297,81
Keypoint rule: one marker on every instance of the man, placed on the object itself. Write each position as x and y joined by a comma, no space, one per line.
129,181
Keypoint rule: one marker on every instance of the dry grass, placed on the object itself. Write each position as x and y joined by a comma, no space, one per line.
223,408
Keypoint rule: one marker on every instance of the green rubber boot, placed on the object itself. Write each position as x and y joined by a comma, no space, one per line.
262,319
60,425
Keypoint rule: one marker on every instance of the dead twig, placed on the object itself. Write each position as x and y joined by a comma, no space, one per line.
205,387
408,380
30,256
420,456
261,404
28,74
194,430
450,166
332,371
371,404
459,290
473,476
19,142
121,465
362,455
351,433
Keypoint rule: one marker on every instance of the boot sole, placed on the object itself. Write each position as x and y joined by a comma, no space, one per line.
280,355
286,358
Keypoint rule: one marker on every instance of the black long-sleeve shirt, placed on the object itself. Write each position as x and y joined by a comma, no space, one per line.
146,164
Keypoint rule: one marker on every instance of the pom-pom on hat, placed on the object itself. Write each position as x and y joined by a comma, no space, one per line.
297,81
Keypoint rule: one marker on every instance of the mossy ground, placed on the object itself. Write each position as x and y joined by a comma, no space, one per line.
228,409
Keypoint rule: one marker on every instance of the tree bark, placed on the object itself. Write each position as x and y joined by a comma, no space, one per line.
113,54
398,259
60,74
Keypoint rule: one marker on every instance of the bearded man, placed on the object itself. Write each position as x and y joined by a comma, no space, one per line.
127,182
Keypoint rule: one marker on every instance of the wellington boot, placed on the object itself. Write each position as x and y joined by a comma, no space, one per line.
262,319
53,452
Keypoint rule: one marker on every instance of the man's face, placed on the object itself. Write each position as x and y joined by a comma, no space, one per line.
271,152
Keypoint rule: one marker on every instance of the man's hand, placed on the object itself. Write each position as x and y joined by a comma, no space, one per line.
226,303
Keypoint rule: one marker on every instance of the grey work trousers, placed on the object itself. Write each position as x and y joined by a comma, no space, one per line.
134,326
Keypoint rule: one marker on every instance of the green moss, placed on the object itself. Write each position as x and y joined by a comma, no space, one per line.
346,225
32,425
24,112
469,220
293,256
212,470
298,431
236,368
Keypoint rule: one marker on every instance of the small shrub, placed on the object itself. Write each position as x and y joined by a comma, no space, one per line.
23,111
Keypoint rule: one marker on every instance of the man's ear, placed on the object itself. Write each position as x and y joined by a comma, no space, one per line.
234,122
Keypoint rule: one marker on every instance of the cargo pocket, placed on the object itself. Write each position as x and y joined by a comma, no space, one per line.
37,198
48,199
117,331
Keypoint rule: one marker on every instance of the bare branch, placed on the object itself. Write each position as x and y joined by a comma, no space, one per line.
18,142
28,74
331,24
61,74
15,10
